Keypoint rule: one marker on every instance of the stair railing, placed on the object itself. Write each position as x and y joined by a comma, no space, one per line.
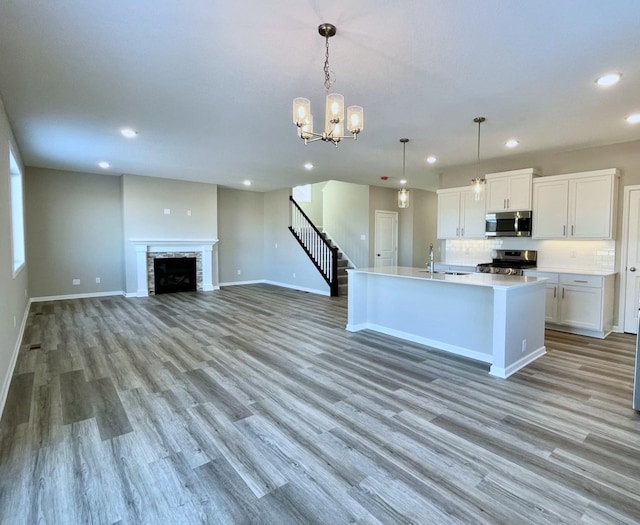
318,249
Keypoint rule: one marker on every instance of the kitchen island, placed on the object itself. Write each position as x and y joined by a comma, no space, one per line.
491,318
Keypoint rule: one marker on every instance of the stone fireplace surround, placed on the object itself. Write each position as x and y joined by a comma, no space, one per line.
148,249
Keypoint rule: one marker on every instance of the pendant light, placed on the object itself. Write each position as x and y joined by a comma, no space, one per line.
478,183
403,194
334,108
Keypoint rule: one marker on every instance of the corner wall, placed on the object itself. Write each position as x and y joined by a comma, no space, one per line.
13,302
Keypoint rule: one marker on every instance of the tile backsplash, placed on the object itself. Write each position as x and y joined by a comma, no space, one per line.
585,255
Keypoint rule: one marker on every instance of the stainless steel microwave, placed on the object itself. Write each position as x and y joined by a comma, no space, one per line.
508,224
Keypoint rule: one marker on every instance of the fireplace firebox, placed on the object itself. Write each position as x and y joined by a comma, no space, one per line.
176,274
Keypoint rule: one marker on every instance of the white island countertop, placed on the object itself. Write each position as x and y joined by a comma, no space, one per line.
495,319
473,279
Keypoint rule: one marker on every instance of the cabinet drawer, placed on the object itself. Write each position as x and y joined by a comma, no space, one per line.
553,277
592,281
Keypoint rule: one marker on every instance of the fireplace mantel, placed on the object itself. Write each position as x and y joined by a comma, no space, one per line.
204,246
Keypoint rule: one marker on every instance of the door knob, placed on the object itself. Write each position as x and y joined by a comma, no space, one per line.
632,269
378,255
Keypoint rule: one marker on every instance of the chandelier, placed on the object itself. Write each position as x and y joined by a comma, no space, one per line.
403,194
334,107
478,183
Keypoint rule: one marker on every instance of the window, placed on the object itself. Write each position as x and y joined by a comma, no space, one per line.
302,193
17,214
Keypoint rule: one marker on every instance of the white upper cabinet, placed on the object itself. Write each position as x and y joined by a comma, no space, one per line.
575,206
460,216
509,190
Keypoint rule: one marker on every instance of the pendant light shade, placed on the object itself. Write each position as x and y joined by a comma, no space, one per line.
478,183
403,194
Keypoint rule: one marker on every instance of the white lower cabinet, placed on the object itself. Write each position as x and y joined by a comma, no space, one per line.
578,303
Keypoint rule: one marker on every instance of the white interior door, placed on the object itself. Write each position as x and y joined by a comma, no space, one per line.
386,244
631,267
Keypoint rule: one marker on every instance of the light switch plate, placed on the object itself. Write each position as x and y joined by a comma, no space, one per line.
167,211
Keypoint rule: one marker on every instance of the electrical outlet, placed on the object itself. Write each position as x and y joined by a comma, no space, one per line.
276,246
97,280
294,275
239,272
524,345
76,282
188,213
167,211
363,237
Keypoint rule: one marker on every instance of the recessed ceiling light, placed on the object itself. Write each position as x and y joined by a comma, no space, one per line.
431,159
609,79
403,181
247,183
633,119
104,164
129,133
512,143
308,166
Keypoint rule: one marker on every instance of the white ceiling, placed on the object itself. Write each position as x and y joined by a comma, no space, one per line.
209,84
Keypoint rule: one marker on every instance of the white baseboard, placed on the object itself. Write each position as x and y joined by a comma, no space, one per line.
438,345
76,296
4,392
276,283
299,288
242,283
503,373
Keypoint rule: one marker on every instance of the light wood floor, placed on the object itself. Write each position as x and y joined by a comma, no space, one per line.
254,405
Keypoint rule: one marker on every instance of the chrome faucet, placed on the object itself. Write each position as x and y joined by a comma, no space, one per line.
431,258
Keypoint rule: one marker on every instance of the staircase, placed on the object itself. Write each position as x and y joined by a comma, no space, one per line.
325,256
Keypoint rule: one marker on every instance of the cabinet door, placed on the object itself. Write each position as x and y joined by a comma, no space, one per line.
550,209
581,307
519,197
497,193
551,304
472,216
590,214
448,215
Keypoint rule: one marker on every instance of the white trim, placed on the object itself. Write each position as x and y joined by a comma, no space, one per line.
503,373
205,246
299,288
4,392
438,345
76,296
622,295
241,283
349,261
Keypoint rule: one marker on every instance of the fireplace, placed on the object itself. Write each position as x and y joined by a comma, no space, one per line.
174,274
146,251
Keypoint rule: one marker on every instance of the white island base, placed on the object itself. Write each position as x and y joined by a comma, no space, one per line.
495,319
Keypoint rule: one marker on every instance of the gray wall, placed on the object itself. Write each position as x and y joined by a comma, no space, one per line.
144,201
241,231
346,218
74,231
13,290
425,218
284,261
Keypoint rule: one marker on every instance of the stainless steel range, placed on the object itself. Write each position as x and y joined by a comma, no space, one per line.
510,262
